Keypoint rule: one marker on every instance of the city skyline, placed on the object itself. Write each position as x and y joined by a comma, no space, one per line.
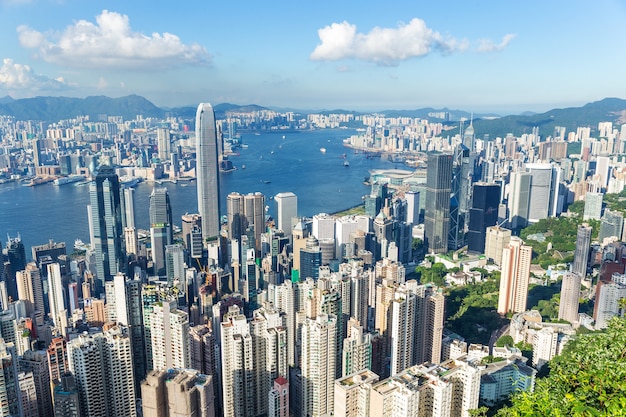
497,58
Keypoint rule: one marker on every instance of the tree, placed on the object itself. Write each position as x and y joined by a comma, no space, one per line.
478,412
587,379
505,340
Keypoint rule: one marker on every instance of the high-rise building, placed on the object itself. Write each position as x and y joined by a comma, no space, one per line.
310,259
106,214
515,277
161,228
279,398
16,255
352,394
254,210
103,369
412,207
29,289
207,171
593,206
169,331
437,214
541,192
36,362
175,266
58,310
178,393
164,143
319,345
462,171
357,349
483,213
287,211
496,239
581,254
66,400
612,224
57,358
570,297
519,199
129,206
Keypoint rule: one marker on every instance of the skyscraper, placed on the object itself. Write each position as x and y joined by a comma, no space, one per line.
519,199
169,333
437,213
106,214
581,255
541,187
516,259
484,213
207,171
496,239
161,233
287,205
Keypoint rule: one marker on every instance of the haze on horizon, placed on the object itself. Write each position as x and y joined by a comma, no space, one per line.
503,58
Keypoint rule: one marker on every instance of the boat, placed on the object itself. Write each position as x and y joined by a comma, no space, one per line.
243,166
38,181
79,245
129,182
346,163
323,150
244,146
68,180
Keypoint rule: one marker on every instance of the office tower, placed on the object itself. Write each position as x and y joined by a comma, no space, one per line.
495,241
27,395
357,349
279,398
437,213
16,255
58,311
36,362
483,213
570,297
612,224
106,214
178,393
513,294
310,259
352,394
319,344
30,290
57,358
164,143
541,192
254,210
344,228
287,211
175,266
131,242
161,227
169,332
413,207
581,255
66,400
602,169
207,171
593,206
462,171
129,206
519,199
103,368
192,237
236,218
323,226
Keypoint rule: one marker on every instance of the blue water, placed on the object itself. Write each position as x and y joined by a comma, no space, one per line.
273,164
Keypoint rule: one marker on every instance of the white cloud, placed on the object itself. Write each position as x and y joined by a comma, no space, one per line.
111,43
486,45
386,46
15,77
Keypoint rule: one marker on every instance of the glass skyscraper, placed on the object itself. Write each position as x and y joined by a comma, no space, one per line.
161,233
207,171
437,213
106,214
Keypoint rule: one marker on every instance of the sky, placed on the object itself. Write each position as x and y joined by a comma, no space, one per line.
482,56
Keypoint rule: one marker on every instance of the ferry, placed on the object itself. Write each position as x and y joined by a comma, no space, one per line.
79,245
323,150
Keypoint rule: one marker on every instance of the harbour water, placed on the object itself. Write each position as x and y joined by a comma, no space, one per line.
274,162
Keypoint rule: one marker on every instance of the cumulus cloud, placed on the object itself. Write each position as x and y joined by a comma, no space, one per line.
486,45
110,42
385,46
389,46
15,77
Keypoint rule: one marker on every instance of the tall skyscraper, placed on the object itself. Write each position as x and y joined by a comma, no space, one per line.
462,171
483,213
581,254
164,143
515,277
593,206
169,332
129,206
58,310
106,214
16,255
161,228
207,171
29,289
612,224
519,199
496,239
37,363
541,192
287,205
437,214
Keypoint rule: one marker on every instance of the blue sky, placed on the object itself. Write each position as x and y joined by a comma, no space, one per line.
498,56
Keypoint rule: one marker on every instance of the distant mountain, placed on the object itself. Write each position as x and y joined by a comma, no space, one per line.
435,114
606,110
189,112
53,109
